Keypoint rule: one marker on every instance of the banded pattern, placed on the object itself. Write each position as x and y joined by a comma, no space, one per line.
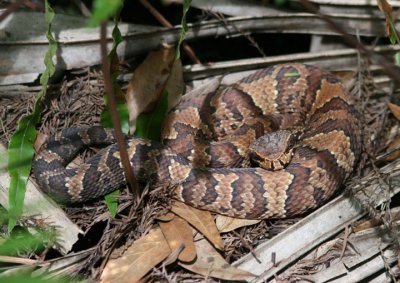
204,155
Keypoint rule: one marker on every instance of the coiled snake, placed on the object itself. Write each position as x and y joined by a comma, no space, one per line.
277,143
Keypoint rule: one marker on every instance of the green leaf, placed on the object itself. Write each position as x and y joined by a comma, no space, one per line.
20,148
294,74
392,38
23,242
112,202
186,6
117,39
148,125
103,10
23,277
393,35
397,58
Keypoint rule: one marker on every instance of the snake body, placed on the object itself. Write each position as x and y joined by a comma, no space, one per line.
211,144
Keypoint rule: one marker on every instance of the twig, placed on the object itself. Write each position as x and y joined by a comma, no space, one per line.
388,67
160,18
10,9
249,247
114,115
345,239
387,265
84,10
254,43
19,260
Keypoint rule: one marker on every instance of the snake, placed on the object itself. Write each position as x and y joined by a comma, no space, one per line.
277,143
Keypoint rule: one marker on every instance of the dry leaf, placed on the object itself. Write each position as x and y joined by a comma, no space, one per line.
166,217
40,139
366,225
158,71
201,220
396,153
347,77
210,263
395,109
384,6
175,84
387,9
178,232
226,223
371,223
138,259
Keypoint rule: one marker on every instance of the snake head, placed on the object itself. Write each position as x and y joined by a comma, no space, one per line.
273,151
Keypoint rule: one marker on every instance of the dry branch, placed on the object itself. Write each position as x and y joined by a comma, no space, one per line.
363,258
331,59
79,45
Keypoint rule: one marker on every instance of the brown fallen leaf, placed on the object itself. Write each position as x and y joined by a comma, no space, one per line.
210,263
371,223
347,77
158,71
138,259
395,109
175,85
395,147
166,217
384,6
178,232
40,139
202,220
387,9
226,223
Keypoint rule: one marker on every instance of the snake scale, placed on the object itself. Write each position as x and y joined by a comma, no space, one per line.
275,144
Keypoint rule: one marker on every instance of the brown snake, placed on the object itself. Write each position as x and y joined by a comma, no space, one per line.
277,143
